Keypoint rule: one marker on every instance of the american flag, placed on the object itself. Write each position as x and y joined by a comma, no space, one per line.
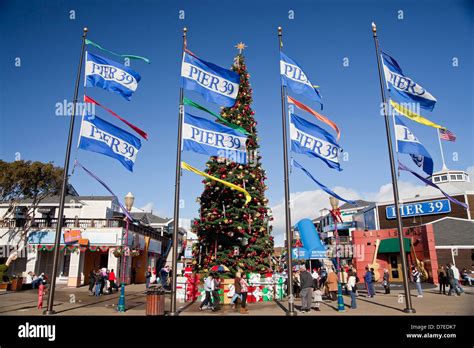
447,135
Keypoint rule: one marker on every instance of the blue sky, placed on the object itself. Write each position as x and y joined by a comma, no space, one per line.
321,35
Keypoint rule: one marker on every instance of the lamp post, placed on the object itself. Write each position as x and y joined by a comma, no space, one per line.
335,216
129,199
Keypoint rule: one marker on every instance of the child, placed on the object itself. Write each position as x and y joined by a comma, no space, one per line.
317,298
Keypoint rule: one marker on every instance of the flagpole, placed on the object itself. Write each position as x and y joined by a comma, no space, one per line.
173,311
441,149
291,308
409,308
60,221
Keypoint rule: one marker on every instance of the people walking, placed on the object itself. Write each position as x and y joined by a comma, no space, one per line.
103,279
91,281
306,281
316,278
457,278
98,281
244,288
442,279
368,279
296,284
386,281
215,293
352,288
147,277
237,290
451,281
112,281
416,276
153,276
164,275
332,285
208,288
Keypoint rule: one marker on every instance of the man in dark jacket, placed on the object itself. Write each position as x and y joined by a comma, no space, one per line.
306,281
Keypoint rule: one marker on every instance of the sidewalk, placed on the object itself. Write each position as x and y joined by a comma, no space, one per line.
77,301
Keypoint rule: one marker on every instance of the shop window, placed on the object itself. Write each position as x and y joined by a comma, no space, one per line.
444,178
459,176
436,179
453,177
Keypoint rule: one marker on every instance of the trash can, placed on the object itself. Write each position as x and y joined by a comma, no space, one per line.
155,301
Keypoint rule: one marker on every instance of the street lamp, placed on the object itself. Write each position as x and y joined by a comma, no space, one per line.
336,217
129,199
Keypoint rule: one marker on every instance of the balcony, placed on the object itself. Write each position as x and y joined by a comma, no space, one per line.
85,223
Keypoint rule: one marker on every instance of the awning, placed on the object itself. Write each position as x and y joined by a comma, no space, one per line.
392,245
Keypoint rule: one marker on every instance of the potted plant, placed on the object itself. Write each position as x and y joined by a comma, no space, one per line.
16,282
118,252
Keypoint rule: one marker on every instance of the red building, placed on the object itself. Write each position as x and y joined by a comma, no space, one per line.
381,247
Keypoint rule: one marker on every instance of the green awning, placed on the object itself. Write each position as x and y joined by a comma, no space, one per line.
392,245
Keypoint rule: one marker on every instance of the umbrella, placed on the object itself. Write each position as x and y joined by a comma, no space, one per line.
220,268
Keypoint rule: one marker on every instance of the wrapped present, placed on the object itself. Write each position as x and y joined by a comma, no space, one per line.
228,290
267,293
181,289
72,236
280,288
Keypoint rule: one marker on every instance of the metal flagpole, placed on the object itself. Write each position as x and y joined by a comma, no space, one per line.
409,308
289,235
60,221
441,149
174,266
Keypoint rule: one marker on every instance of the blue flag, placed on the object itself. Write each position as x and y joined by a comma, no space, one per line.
313,141
294,77
216,85
103,137
401,166
323,187
408,143
210,138
111,76
403,88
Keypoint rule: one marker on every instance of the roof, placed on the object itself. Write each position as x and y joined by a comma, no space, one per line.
150,218
55,199
453,231
359,203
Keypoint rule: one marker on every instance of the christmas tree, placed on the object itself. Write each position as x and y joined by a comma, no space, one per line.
230,233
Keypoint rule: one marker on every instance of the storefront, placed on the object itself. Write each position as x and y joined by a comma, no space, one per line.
380,249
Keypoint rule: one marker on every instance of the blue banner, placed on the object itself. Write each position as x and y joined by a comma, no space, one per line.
294,78
210,138
403,88
216,85
419,208
323,187
103,137
110,75
313,141
408,143
401,166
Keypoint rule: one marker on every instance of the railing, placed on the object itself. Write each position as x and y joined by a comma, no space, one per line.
39,223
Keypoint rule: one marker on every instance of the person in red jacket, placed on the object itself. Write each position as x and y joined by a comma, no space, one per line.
112,280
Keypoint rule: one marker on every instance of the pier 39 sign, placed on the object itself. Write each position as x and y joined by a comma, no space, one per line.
420,208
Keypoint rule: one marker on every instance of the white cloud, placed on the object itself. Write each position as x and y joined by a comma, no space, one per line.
148,207
307,204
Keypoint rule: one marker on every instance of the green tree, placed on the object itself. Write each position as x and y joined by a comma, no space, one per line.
24,184
230,233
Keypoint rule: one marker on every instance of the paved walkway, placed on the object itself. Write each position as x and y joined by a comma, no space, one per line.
77,301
